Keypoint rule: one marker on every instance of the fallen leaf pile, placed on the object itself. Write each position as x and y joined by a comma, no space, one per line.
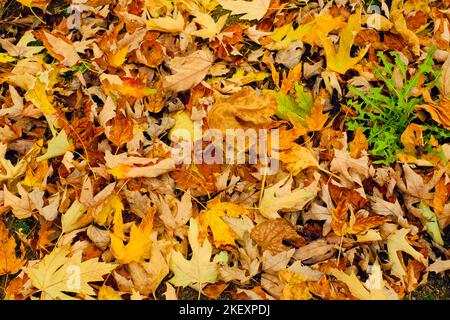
98,96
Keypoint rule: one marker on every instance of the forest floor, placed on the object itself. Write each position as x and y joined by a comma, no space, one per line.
349,100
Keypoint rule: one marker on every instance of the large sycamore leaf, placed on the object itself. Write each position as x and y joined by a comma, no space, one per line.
212,218
9,262
252,10
59,47
280,196
58,273
242,110
139,243
341,61
199,270
188,71
397,242
271,235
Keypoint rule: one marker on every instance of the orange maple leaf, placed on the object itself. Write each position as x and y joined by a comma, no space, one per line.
339,217
9,262
317,119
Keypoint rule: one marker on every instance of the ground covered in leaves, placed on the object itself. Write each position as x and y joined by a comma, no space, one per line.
124,172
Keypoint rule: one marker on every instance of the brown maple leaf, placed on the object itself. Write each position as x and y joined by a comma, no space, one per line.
122,130
270,234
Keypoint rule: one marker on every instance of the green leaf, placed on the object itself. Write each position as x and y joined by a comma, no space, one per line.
385,111
296,107
430,223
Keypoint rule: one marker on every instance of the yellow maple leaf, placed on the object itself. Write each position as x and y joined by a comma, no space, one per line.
295,286
41,4
184,128
341,61
58,273
112,205
38,96
7,169
298,158
212,218
317,118
321,26
34,177
118,58
75,217
139,243
108,293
